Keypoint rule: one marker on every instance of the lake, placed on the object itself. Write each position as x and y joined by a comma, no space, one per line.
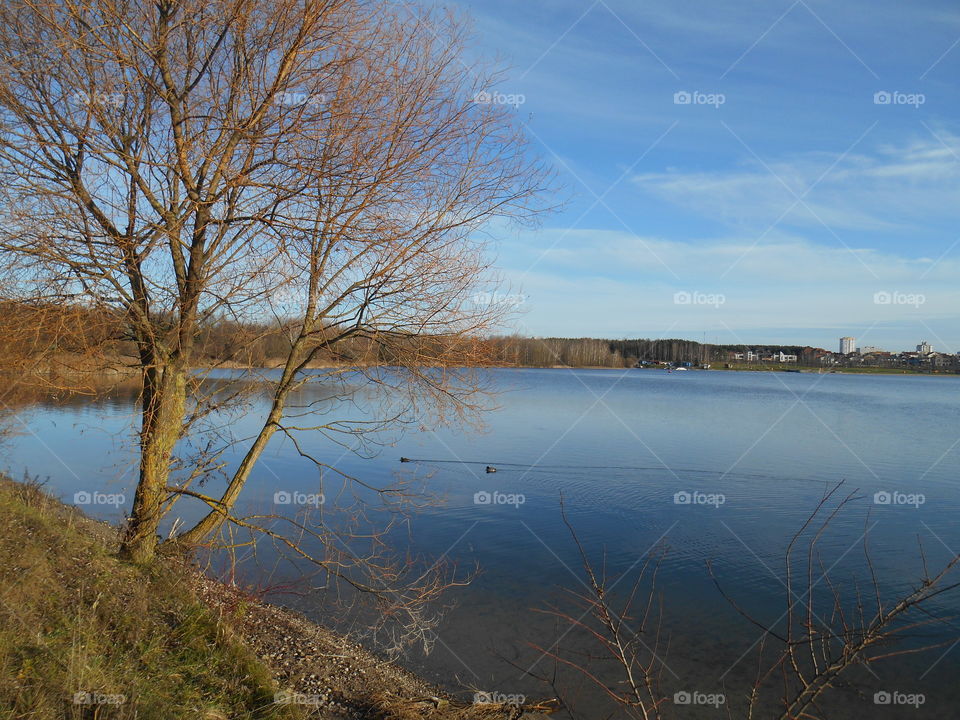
707,466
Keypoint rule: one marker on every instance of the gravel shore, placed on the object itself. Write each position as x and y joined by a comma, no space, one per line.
337,678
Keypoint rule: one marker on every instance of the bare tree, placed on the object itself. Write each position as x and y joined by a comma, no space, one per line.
812,647
815,645
627,635
322,167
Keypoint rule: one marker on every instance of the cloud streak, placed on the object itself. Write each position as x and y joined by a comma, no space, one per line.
891,191
601,282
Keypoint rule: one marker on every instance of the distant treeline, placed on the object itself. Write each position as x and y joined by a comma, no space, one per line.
36,331
32,334
258,345
593,352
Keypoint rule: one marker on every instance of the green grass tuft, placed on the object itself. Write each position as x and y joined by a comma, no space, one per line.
76,619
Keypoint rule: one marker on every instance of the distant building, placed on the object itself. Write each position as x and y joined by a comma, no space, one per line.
757,356
924,348
868,349
847,345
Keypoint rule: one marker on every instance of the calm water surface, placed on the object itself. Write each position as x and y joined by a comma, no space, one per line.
619,446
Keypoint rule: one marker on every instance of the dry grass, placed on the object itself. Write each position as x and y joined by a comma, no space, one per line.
168,642
75,619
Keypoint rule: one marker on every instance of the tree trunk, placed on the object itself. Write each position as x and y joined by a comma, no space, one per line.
164,403
215,518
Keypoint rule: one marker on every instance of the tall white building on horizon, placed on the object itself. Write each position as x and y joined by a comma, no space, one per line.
847,345
924,348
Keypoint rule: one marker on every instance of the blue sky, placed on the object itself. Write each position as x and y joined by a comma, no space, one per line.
809,188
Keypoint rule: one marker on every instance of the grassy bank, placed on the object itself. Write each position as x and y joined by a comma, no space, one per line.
86,636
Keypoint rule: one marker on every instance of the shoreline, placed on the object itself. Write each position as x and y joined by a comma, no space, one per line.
337,677
116,372
802,370
167,640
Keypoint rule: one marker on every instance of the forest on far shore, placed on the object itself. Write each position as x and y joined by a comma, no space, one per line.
73,331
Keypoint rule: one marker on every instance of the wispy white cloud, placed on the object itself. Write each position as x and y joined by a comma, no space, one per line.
600,282
890,190
704,208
